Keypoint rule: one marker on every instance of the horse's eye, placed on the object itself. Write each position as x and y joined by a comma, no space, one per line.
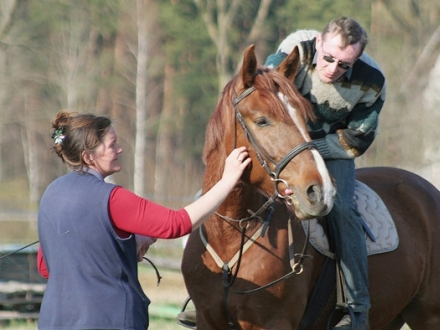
261,122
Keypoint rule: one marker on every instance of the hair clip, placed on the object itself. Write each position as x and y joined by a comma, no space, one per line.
58,135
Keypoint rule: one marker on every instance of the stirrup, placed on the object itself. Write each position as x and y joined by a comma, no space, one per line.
348,311
187,319
341,297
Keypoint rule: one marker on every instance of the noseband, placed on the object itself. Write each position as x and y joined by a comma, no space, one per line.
262,155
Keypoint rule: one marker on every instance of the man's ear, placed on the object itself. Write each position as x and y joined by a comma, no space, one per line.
318,41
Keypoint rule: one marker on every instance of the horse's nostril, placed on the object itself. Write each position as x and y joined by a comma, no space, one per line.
314,194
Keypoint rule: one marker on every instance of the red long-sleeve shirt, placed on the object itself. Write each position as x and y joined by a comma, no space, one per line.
130,214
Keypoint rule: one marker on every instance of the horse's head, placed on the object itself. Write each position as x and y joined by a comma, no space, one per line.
261,109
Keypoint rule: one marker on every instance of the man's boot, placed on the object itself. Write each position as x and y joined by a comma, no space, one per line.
187,319
361,322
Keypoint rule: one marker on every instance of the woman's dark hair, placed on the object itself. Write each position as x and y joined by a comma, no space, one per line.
75,133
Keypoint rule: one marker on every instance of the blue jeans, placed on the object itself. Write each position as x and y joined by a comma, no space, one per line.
348,235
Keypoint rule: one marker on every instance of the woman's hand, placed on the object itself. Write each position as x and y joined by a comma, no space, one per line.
204,206
235,164
143,243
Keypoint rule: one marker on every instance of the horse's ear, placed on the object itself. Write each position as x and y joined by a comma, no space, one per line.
249,68
289,66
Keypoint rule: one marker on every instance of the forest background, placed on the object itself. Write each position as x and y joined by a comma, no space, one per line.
158,68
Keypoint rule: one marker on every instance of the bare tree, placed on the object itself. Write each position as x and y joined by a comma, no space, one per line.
164,145
431,99
428,52
405,42
142,17
28,139
72,62
7,8
218,16
141,96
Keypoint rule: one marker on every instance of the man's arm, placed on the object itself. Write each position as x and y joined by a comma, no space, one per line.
354,140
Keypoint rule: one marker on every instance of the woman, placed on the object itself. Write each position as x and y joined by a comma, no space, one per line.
86,228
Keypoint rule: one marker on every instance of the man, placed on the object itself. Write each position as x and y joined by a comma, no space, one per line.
347,90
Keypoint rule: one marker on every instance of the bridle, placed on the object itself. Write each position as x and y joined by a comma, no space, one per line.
228,279
262,155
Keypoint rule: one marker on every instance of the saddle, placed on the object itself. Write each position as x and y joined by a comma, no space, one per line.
380,231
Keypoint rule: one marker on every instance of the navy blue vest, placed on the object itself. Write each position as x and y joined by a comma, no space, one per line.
93,282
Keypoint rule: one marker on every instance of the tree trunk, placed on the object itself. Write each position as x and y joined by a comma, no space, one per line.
218,16
30,149
141,98
164,148
7,8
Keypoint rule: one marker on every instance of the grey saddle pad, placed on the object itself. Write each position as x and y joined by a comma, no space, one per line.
382,235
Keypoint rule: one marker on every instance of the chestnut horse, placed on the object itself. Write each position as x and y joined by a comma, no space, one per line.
239,269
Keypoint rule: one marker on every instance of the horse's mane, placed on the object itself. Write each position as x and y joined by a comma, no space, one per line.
268,83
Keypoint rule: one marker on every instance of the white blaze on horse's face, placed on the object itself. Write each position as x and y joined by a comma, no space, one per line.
328,188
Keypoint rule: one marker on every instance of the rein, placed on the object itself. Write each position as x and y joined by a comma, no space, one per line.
18,250
33,243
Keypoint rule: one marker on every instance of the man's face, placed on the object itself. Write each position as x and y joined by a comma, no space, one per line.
333,61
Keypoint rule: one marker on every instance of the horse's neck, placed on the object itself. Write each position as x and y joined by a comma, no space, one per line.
223,228
235,206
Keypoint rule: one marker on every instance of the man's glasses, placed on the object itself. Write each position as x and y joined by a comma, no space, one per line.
342,65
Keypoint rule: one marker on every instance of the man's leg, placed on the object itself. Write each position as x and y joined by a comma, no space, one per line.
349,238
